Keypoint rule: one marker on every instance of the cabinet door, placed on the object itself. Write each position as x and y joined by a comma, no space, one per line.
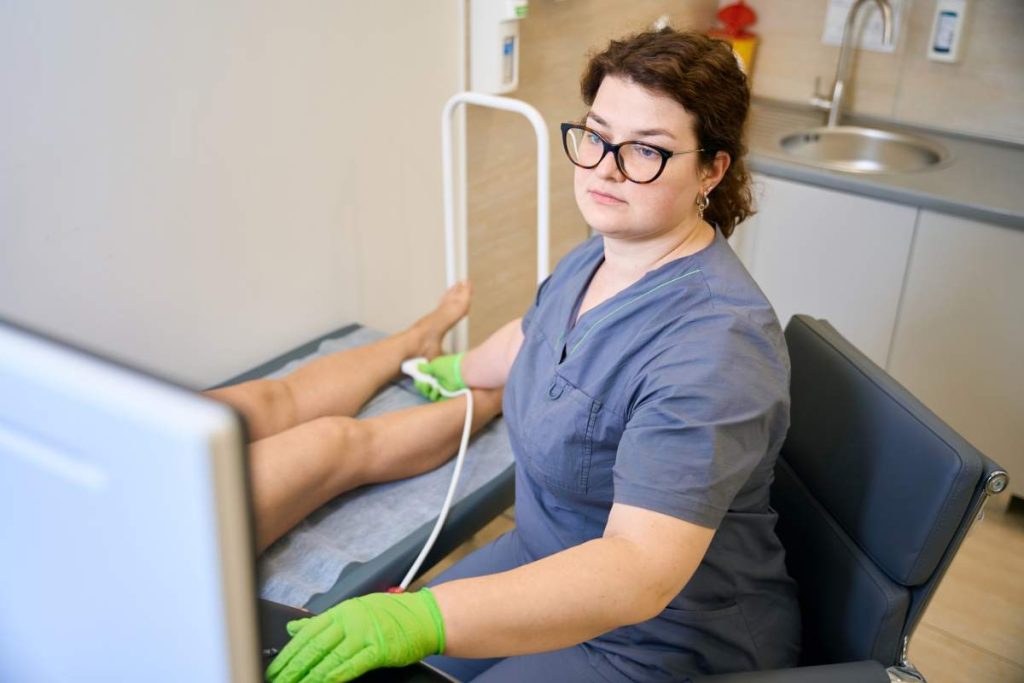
960,333
831,255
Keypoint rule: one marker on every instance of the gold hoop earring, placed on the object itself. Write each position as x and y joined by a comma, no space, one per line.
702,204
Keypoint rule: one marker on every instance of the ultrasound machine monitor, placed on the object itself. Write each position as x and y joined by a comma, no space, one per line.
126,547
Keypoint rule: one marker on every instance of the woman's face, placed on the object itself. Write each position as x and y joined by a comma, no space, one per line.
616,207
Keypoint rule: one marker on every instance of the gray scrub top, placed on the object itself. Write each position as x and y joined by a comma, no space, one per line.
673,396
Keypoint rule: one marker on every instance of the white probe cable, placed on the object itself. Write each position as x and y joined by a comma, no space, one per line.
411,368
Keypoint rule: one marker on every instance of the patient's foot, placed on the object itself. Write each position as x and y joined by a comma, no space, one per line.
431,328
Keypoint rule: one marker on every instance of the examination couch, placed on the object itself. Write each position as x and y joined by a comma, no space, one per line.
874,495
366,540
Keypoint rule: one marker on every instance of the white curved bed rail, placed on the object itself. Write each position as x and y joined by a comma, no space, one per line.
448,179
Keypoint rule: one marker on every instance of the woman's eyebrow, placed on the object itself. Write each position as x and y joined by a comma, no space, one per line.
592,115
653,131
636,133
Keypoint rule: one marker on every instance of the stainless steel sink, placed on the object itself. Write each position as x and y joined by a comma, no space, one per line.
863,150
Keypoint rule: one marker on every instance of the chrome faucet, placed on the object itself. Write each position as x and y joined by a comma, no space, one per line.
834,105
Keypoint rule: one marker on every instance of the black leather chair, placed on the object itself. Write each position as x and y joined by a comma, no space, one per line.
874,495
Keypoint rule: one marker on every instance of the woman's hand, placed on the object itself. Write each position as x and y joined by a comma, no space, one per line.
483,367
446,370
358,635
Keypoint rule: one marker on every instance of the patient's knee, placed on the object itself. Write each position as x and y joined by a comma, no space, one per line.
277,403
351,440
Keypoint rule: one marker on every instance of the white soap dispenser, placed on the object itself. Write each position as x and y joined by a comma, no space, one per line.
494,45
947,36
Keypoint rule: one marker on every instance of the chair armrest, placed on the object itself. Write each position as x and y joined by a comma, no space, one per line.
868,671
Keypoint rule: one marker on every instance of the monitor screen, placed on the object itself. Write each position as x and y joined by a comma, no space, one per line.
125,525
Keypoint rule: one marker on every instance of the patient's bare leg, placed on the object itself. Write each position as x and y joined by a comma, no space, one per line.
339,384
296,471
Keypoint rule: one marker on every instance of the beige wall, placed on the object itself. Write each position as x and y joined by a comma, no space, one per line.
555,39
983,93
196,186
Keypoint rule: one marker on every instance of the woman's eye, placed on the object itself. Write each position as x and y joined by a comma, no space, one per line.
646,152
593,138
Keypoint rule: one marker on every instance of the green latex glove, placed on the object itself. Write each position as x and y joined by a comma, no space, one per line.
358,635
447,371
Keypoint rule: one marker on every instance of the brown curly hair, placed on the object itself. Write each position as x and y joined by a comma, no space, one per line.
702,74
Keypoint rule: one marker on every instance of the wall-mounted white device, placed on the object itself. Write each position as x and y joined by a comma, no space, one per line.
494,45
947,36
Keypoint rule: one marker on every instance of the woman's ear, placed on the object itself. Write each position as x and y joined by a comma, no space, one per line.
715,171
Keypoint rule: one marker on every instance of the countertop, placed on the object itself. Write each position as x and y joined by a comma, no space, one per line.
982,179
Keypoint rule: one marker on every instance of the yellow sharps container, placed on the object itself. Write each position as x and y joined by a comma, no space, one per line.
736,19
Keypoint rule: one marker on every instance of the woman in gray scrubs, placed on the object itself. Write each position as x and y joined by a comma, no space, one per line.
647,399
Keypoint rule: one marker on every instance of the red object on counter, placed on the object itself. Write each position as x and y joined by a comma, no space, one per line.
736,18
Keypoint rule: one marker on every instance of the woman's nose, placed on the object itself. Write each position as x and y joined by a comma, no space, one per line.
608,168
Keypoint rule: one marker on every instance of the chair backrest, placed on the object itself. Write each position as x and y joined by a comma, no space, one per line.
874,495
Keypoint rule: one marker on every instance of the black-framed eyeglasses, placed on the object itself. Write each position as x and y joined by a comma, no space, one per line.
640,162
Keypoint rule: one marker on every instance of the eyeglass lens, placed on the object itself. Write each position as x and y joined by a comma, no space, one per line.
637,161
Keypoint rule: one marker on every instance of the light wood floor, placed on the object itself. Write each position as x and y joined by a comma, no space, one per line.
974,629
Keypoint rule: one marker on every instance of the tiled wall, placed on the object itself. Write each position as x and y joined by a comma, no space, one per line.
982,94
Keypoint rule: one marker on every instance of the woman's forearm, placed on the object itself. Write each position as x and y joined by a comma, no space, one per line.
556,602
487,366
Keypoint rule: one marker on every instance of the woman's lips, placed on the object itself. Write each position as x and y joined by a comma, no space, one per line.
602,198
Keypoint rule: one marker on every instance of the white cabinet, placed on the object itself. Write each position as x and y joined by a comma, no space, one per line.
831,255
960,335
936,300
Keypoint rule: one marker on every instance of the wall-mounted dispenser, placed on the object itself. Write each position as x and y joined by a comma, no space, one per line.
494,45
948,28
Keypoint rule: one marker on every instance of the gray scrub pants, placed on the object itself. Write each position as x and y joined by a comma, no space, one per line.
580,663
